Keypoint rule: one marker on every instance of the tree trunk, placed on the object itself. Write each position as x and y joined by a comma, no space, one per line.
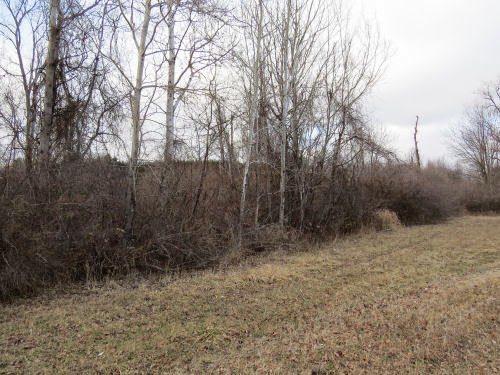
50,81
30,128
417,153
136,123
284,115
251,123
169,136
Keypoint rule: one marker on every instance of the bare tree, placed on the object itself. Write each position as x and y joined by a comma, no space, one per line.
11,127
87,104
417,153
75,82
137,19
285,100
475,142
320,74
23,27
60,15
54,31
491,97
169,136
194,43
252,115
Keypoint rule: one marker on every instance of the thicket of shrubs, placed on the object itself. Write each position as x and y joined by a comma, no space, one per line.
419,196
71,228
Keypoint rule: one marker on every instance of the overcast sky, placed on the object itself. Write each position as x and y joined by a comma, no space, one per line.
443,52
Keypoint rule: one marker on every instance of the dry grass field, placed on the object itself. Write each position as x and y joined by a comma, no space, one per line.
420,300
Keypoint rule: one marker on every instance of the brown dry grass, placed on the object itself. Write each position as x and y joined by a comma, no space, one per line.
415,300
385,219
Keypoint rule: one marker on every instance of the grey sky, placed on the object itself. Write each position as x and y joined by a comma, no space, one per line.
443,52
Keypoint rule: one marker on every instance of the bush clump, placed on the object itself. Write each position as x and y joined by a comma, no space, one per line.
416,196
69,226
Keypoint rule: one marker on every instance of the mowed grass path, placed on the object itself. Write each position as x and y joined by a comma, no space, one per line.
411,301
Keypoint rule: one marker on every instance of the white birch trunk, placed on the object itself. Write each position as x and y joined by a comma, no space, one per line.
253,115
170,127
136,112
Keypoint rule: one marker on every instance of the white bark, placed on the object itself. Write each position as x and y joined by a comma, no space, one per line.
251,123
170,127
25,20
136,113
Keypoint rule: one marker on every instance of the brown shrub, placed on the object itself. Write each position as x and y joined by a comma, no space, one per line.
416,196
481,199
72,228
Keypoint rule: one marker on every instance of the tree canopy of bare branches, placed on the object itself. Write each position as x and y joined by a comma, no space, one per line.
476,140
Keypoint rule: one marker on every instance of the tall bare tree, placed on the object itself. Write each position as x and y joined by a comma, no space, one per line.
49,100
253,99
476,142
169,136
417,152
23,27
491,97
285,100
195,42
87,102
137,18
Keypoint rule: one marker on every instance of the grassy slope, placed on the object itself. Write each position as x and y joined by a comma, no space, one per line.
417,300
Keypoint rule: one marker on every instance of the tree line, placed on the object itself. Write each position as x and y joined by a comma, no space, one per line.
144,135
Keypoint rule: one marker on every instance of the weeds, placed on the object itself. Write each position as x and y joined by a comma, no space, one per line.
412,300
